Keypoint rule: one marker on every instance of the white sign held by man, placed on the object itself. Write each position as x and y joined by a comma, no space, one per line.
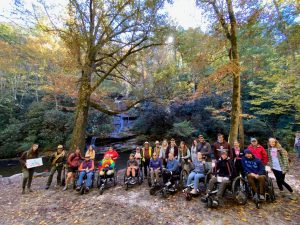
31,163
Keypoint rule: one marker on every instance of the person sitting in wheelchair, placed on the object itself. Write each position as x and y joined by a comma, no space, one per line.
171,169
225,173
132,167
86,168
106,166
199,169
155,168
256,174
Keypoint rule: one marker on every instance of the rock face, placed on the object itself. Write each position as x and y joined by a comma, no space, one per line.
135,206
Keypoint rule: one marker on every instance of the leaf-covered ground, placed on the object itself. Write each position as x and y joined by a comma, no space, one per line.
136,206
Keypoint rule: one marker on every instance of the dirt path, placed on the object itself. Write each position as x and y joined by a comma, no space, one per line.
136,206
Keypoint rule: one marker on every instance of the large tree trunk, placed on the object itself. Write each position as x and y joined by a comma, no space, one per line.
82,110
236,95
241,130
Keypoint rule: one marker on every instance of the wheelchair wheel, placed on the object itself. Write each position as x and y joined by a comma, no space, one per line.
98,181
183,177
149,177
209,203
164,193
271,194
81,190
152,191
101,190
239,190
115,178
188,196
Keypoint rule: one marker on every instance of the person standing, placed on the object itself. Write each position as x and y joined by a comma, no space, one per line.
172,148
73,163
258,151
113,154
279,162
91,153
204,147
297,143
237,158
157,148
163,150
57,162
32,153
221,145
194,150
146,156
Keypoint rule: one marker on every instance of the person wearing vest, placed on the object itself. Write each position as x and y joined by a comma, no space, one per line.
32,153
57,160
91,152
199,169
279,163
146,156
225,173
221,145
204,147
73,163
85,168
172,148
255,172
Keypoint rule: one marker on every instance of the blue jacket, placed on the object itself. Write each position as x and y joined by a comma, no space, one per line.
155,164
253,165
172,165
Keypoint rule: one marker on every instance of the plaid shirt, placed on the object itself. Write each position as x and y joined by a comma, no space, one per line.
282,158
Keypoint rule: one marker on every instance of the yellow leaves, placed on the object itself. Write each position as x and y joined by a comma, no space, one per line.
244,220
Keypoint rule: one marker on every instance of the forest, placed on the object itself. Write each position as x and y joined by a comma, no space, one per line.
61,75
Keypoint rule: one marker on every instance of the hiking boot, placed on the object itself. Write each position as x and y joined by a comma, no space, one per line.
262,197
65,188
47,187
87,189
30,190
23,191
293,196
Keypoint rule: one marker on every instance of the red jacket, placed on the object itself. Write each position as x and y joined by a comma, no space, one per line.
259,152
113,155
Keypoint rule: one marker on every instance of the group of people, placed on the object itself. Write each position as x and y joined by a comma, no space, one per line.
73,162
167,158
225,163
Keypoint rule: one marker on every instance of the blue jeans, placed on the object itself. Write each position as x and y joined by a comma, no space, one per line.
196,177
298,150
88,179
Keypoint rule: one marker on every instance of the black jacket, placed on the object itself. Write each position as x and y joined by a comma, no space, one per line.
225,168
